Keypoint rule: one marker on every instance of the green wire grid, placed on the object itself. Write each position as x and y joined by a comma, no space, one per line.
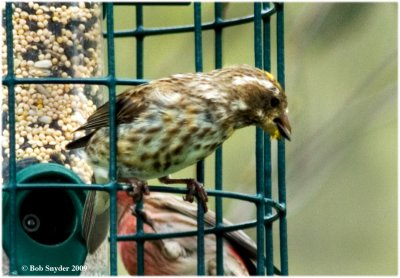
268,210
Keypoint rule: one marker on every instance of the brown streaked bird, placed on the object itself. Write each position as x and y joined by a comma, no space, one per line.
167,213
171,123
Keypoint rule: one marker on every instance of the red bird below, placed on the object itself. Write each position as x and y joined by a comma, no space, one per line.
167,213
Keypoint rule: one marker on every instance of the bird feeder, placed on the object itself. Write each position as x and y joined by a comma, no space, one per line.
48,234
51,41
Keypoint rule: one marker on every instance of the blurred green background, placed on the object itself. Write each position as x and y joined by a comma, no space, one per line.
341,82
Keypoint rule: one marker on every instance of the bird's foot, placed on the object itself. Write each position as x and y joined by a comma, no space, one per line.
194,187
137,189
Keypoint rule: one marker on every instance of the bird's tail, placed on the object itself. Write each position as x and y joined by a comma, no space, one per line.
80,142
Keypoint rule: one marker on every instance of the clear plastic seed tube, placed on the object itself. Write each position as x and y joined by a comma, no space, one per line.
57,39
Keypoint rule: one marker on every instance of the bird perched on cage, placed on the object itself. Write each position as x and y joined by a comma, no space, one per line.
171,123
166,213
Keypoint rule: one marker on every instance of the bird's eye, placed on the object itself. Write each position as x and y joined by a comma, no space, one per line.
274,102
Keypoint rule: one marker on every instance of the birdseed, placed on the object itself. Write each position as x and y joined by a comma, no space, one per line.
62,39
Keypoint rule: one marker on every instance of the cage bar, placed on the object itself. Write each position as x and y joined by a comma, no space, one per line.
12,181
113,138
198,49
269,249
218,153
280,41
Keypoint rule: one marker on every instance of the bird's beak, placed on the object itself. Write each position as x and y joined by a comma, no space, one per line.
283,125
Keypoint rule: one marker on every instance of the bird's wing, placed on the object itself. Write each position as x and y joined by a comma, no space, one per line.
239,240
235,237
95,219
129,105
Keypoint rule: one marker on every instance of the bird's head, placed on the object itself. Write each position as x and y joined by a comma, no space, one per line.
273,113
260,100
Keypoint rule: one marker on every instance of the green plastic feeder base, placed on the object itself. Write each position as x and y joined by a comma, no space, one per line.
48,237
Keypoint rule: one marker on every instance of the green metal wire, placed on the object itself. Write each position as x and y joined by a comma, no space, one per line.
218,153
190,28
259,147
139,205
201,267
113,137
12,181
269,249
280,40
268,210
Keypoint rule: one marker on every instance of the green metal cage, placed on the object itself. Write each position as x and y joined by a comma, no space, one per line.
268,210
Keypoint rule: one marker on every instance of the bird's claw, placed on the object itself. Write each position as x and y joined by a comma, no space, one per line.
138,189
194,187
